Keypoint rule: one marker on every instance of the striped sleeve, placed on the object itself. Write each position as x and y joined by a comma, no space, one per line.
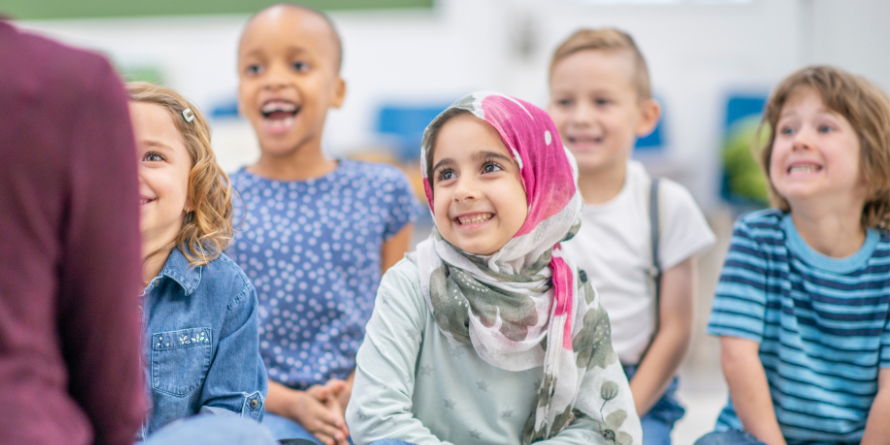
885,345
740,299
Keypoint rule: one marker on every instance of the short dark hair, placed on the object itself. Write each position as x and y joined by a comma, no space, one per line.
338,42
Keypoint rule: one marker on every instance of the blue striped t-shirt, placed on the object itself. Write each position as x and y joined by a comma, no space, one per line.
822,324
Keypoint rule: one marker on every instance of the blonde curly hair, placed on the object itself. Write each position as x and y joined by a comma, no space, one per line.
207,228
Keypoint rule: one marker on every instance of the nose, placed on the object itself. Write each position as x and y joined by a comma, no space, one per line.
803,139
583,114
466,189
275,78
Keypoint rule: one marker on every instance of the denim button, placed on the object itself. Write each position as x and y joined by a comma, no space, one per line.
254,403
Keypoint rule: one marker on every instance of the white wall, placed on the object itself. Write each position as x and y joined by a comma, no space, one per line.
697,52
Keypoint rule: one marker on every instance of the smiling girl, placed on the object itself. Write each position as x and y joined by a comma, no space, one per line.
200,326
486,334
803,304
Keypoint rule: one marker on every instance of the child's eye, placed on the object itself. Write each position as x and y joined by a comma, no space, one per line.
491,167
824,129
445,175
301,66
253,69
786,131
152,157
564,102
603,102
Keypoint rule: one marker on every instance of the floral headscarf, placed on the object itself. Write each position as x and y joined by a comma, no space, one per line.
526,305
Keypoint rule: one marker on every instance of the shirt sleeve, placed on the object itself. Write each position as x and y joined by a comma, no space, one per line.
740,299
403,204
236,381
885,345
685,232
380,407
582,431
99,325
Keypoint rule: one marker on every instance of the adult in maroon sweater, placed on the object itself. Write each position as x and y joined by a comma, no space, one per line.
69,248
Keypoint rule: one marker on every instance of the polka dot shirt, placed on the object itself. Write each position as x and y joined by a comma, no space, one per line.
312,250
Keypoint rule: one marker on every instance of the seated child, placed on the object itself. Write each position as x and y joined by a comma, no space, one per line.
199,309
601,101
315,234
487,334
803,303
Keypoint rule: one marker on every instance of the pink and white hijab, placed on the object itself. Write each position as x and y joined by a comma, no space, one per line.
526,305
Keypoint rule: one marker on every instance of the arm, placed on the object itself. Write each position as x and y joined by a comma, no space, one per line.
582,431
384,379
394,249
312,409
671,343
236,380
99,264
877,429
749,389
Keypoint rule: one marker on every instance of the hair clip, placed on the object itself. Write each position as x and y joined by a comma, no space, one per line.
188,115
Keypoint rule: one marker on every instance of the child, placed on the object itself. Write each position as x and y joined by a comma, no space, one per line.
317,233
641,261
200,319
803,304
486,334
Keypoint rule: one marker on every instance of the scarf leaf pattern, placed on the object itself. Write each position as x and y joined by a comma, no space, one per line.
527,306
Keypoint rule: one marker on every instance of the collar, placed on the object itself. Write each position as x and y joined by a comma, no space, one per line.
181,271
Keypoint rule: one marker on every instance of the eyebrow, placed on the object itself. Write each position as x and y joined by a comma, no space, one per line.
479,155
158,144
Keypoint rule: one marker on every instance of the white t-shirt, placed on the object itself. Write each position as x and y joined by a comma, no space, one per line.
613,246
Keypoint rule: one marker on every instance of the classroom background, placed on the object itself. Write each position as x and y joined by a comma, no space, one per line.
712,65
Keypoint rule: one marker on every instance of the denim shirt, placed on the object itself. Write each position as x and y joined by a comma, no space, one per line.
201,343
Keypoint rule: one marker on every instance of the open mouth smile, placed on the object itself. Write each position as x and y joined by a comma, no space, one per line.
279,114
473,219
803,169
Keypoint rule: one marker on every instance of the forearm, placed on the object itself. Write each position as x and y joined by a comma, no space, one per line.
659,366
281,400
582,431
877,428
749,390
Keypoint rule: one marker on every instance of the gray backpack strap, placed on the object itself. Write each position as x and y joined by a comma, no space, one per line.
655,268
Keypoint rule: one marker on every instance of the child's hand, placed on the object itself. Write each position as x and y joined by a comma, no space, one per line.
318,411
342,389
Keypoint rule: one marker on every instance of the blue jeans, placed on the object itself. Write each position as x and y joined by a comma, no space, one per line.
659,421
212,430
731,437
284,428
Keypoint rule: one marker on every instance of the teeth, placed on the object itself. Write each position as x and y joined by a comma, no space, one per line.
803,168
278,105
475,219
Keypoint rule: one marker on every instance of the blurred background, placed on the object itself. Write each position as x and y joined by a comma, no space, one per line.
712,62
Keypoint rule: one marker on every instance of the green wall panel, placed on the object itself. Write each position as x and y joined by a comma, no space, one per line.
70,9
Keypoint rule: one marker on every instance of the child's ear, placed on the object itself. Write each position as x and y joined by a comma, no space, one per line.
650,113
339,93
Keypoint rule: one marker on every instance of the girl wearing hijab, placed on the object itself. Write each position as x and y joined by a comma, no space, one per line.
486,333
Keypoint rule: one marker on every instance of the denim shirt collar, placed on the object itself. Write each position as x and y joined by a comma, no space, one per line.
179,270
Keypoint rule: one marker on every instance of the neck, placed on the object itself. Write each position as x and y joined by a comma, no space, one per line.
602,185
834,231
155,251
300,164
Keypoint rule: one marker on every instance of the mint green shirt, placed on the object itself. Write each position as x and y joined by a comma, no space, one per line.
412,384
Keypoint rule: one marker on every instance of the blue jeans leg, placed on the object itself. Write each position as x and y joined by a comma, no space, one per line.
731,437
212,430
284,428
655,431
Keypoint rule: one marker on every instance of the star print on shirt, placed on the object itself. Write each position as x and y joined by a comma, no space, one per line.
361,414
475,434
449,403
426,370
507,413
482,385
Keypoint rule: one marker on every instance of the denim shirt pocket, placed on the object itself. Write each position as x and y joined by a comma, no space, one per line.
179,360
